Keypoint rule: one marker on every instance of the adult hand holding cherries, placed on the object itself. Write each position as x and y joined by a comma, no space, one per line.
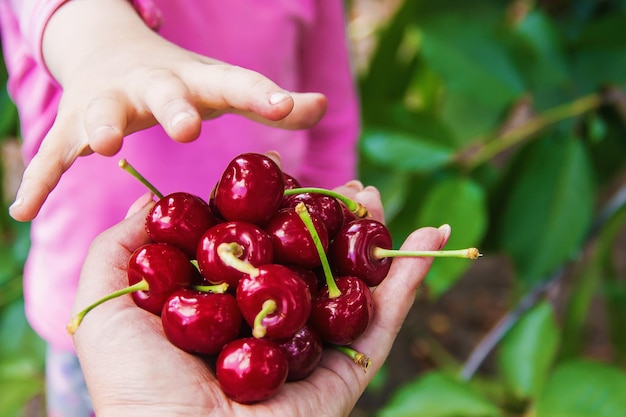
132,369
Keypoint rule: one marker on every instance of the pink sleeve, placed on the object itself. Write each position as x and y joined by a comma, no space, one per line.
32,17
327,68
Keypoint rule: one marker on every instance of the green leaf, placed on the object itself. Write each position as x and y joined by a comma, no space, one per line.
16,393
583,389
526,354
548,208
437,395
404,152
459,202
17,338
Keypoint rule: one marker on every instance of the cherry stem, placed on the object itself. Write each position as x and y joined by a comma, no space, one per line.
358,358
268,307
215,289
333,290
355,207
229,254
469,253
78,318
132,171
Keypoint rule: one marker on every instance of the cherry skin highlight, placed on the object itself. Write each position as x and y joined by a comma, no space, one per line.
327,208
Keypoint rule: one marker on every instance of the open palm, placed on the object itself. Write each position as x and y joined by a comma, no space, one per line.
131,369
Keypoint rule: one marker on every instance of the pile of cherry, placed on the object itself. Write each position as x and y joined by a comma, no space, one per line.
262,277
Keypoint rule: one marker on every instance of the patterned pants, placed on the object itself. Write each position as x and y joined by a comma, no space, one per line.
66,391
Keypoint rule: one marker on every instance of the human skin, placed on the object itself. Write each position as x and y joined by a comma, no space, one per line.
132,370
118,76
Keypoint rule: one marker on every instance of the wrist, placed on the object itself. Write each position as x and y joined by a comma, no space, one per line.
80,32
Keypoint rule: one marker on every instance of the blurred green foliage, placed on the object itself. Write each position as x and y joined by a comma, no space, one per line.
21,350
506,120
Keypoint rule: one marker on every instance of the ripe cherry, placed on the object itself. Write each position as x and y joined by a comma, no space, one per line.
179,219
250,189
274,301
341,319
164,267
250,370
363,248
290,181
292,242
201,322
328,208
155,270
272,298
250,244
303,352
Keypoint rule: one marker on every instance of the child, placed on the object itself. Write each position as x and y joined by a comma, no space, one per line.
87,73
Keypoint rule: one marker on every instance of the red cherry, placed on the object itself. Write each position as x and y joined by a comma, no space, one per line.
254,244
352,251
165,268
179,219
363,248
290,181
341,320
250,370
292,241
250,189
328,208
200,322
303,352
274,301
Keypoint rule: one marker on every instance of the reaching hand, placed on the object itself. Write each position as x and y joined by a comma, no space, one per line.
116,82
131,368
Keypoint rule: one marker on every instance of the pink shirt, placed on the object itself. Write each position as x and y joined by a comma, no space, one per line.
301,45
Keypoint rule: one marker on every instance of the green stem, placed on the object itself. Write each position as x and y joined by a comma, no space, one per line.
132,171
229,254
215,289
78,318
333,290
470,253
258,329
537,123
358,209
357,357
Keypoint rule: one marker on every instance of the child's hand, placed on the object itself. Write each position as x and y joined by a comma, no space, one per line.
119,77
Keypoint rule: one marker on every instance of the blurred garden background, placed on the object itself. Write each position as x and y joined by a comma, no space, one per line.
506,120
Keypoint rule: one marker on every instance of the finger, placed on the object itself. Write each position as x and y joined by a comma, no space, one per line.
394,297
41,176
308,110
169,101
105,123
371,199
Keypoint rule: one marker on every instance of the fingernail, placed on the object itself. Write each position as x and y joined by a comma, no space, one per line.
445,231
278,97
104,132
274,156
16,204
178,118
355,185
140,203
